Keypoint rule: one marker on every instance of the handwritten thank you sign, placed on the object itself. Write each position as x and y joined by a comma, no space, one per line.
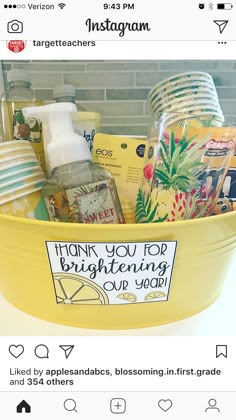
111,273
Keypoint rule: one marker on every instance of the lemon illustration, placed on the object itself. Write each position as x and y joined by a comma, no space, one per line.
154,295
130,297
77,290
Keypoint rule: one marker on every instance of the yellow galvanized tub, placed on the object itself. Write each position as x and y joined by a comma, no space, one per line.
205,251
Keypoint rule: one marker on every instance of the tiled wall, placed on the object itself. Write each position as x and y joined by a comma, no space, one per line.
118,89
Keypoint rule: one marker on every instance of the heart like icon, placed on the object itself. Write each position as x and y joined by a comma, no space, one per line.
165,405
16,351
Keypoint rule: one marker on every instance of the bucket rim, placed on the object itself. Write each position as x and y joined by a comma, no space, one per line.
106,227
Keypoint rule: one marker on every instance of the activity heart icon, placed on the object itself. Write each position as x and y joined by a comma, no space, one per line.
16,351
165,405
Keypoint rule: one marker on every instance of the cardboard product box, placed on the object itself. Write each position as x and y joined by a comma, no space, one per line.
123,157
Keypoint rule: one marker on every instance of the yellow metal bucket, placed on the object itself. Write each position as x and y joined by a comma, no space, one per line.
205,251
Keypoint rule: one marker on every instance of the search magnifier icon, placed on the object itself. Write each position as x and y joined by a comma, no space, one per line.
70,405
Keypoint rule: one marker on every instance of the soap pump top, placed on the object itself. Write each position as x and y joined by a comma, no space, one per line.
64,93
65,146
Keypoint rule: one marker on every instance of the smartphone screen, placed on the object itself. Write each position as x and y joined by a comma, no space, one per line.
117,210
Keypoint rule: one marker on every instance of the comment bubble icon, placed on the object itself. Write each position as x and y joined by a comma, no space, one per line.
41,351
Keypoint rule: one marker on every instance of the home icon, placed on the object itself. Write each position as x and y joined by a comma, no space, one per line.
23,407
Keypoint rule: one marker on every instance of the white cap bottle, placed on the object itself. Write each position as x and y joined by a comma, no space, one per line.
64,93
65,146
18,75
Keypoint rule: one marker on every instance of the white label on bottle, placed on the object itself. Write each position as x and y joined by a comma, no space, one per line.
111,273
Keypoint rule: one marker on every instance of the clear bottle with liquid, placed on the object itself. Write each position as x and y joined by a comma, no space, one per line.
19,94
78,190
82,192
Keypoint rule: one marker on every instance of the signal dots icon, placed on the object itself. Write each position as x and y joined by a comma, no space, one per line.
14,6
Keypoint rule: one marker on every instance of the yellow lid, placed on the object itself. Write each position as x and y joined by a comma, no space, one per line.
87,116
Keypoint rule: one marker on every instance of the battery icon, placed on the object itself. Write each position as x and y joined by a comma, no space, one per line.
224,6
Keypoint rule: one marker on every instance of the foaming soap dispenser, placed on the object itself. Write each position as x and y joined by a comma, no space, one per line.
78,190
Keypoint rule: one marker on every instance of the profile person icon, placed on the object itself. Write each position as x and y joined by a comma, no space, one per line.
212,406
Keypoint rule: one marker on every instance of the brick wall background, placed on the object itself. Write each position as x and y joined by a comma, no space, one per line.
118,89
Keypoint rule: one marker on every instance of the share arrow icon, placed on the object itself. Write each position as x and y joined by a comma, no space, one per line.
67,350
221,24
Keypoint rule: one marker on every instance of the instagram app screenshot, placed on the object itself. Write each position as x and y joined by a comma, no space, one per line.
117,210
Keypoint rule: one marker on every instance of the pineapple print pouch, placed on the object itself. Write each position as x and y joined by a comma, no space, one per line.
184,177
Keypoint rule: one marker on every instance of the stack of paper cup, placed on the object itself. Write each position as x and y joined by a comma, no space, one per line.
21,179
191,93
